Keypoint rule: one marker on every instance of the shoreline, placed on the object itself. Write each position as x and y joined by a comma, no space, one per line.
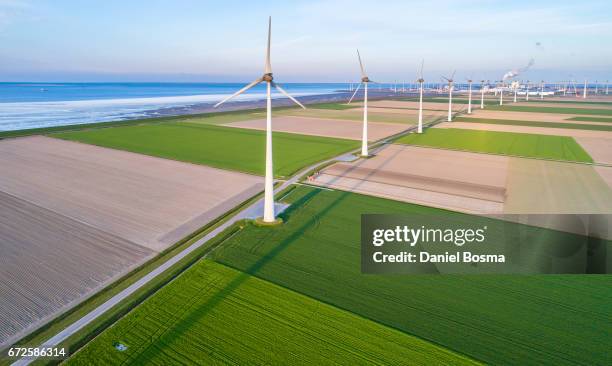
339,96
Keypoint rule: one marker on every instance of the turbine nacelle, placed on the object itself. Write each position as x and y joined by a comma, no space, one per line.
364,78
267,76
450,79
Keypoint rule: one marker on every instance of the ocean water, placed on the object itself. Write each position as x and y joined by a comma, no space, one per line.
33,105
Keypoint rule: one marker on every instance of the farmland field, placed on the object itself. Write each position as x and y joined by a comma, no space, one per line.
461,99
214,314
356,114
527,320
337,106
576,126
503,143
217,146
573,101
591,119
75,217
563,110
335,128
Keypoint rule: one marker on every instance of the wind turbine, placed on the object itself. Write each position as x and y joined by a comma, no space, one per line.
450,95
364,80
606,87
527,91
469,95
584,93
542,89
501,93
596,87
420,80
515,91
482,91
269,215
565,89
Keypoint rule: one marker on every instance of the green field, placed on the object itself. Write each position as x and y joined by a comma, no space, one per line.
520,320
574,126
562,110
590,119
213,314
571,101
503,143
456,99
336,106
217,146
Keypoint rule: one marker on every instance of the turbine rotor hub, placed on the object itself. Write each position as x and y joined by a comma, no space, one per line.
268,77
365,79
420,80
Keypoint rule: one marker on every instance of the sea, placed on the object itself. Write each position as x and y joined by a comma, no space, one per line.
35,105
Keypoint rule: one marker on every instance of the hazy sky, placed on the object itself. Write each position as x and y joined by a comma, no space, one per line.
131,40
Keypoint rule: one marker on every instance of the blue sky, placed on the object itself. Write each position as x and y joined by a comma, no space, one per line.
312,40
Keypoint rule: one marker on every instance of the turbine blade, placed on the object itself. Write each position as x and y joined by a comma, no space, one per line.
453,74
259,80
363,74
268,65
287,94
353,96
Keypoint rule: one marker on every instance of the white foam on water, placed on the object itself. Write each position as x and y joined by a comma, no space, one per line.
25,115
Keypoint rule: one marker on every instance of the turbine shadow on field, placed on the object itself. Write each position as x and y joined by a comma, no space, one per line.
174,331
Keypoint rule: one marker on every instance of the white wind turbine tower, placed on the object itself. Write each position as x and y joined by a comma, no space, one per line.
542,89
596,87
584,93
606,87
450,95
269,215
501,93
575,88
527,91
364,80
565,89
420,80
482,91
515,90
469,95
